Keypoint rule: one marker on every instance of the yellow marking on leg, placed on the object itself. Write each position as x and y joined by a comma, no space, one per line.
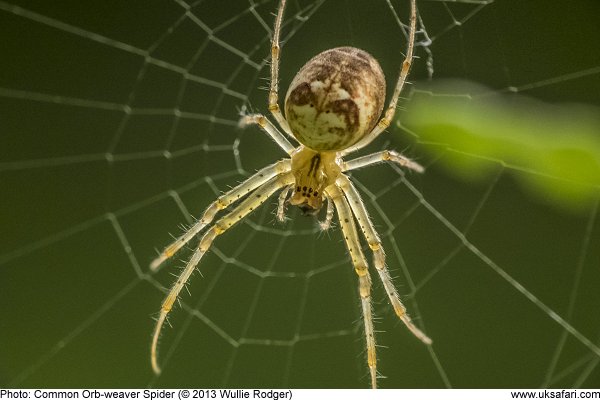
383,123
275,51
358,208
346,219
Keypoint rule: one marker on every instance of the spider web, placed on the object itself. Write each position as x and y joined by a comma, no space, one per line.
119,125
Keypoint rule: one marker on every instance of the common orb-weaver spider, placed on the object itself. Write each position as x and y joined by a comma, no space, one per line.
333,107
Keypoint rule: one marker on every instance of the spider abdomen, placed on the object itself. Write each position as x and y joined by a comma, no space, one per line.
335,99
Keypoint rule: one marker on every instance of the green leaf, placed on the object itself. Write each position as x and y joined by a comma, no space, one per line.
472,125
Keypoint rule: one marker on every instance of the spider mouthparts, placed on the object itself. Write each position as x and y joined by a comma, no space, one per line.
309,204
308,211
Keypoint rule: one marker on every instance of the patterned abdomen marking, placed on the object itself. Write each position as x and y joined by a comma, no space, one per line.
335,99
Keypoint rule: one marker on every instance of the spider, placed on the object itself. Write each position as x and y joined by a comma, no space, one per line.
332,109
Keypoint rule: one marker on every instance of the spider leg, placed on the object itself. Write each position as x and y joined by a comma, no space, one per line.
249,204
360,266
281,204
221,203
325,225
274,89
362,217
269,128
391,110
380,156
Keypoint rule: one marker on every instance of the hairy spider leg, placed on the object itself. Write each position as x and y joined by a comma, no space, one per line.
274,88
381,156
248,205
269,128
360,266
221,203
362,217
404,69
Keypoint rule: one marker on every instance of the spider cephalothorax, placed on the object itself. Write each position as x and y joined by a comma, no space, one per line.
313,172
332,108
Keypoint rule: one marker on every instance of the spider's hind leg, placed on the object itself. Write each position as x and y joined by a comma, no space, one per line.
274,86
389,113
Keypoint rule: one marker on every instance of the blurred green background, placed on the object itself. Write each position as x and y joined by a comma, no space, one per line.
118,122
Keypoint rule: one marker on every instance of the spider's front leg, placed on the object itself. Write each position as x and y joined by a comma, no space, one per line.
360,266
221,203
248,205
362,217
